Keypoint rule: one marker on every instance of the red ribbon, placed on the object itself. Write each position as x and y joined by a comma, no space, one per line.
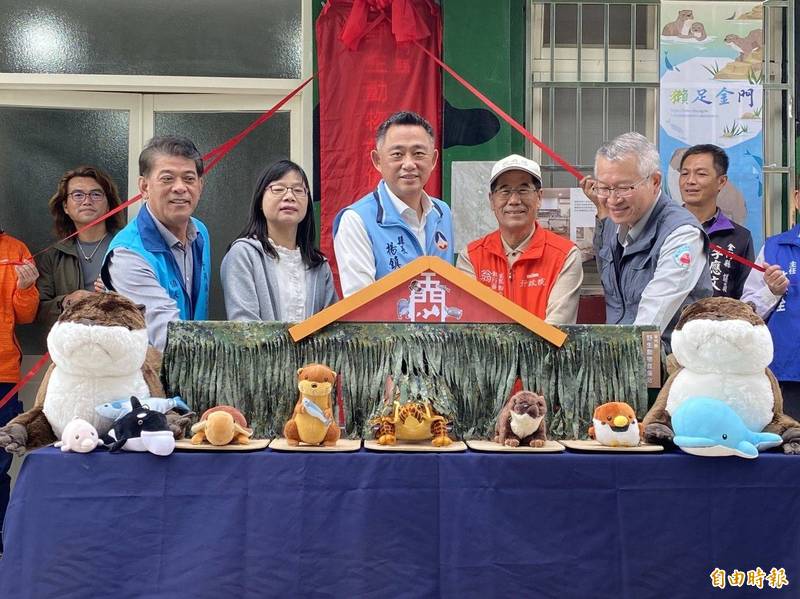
552,153
407,25
214,156
714,247
24,380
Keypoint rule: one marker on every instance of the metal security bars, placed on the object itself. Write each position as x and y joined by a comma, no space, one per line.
593,73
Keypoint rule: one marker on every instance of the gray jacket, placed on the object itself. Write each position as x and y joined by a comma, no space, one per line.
250,284
625,276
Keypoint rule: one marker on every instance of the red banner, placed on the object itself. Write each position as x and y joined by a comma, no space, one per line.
384,72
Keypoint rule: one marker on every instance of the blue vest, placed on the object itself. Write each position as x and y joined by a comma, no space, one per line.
393,243
784,322
142,236
624,277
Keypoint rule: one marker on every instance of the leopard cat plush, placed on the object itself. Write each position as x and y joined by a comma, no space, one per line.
100,354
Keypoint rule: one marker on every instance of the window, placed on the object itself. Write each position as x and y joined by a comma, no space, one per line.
593,75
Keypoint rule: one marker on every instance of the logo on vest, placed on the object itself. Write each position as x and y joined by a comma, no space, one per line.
682,257
440,240
492,279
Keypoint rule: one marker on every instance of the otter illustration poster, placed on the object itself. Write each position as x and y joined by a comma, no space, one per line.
711,74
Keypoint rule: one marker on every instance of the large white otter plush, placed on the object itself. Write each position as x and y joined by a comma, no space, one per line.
723,350
100,354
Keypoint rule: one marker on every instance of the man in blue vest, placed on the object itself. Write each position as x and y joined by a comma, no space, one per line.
162,258
398,221
651,252
775,294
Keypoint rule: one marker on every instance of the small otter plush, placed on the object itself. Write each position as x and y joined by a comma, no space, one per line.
100,354
521,421
722,349
312,420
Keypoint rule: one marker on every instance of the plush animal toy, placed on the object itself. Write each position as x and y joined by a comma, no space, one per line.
141,430
521,421
722,349
312,419
222,425
115,410
614,424
79,436
709,427
100,353
413,409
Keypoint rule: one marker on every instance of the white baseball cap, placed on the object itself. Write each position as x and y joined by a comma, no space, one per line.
515,162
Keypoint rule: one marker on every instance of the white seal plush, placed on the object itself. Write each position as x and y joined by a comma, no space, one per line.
100,354
79,436
723,350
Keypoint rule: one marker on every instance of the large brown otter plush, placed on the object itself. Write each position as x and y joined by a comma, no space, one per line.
100,354
722,349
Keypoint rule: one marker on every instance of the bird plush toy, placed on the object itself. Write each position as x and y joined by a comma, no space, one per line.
614,424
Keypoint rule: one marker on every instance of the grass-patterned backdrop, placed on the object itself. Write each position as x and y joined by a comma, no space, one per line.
471,368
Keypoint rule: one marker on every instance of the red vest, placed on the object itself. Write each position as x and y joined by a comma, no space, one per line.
533,274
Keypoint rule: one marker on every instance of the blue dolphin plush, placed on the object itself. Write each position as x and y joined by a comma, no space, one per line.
117,409
709,427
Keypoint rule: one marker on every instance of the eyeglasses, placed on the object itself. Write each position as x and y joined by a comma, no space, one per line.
79,196
524,193
622,191
279,190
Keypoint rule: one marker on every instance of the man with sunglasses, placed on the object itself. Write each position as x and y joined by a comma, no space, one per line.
652,254
521,260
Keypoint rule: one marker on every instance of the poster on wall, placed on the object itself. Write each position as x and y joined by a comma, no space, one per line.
711,75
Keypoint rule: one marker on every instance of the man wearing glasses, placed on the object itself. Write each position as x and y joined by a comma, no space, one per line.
162,258
521,260
651,252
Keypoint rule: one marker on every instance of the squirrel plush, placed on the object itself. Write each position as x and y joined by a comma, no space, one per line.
312,420
521,421
100,354
722,349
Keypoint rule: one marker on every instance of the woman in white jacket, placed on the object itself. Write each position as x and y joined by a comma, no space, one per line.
273,271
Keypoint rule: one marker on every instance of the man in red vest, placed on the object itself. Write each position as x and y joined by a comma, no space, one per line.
528,264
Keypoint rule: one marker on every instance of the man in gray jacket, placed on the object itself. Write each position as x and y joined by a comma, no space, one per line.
651,252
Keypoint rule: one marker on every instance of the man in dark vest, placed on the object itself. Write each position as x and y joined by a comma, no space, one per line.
651,252
704,172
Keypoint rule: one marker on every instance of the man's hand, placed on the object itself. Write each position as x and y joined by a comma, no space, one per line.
775,279
73,297
99,286
26,274
588,184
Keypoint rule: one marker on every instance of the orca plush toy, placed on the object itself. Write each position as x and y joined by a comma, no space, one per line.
142,429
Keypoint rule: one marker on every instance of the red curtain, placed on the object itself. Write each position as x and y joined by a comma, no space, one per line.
368,69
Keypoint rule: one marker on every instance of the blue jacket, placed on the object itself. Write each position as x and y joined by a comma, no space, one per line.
393,243
784,322
142,236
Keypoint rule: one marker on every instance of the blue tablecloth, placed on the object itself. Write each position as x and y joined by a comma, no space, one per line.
270,524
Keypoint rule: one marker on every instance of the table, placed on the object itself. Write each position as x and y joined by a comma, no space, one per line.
269,524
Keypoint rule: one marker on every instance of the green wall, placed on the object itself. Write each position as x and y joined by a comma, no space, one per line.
494,62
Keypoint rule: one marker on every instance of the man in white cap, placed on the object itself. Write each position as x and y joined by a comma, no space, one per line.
528,264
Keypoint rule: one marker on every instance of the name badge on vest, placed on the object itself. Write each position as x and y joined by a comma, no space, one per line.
395,250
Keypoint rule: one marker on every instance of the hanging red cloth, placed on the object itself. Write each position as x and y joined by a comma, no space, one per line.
382,72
